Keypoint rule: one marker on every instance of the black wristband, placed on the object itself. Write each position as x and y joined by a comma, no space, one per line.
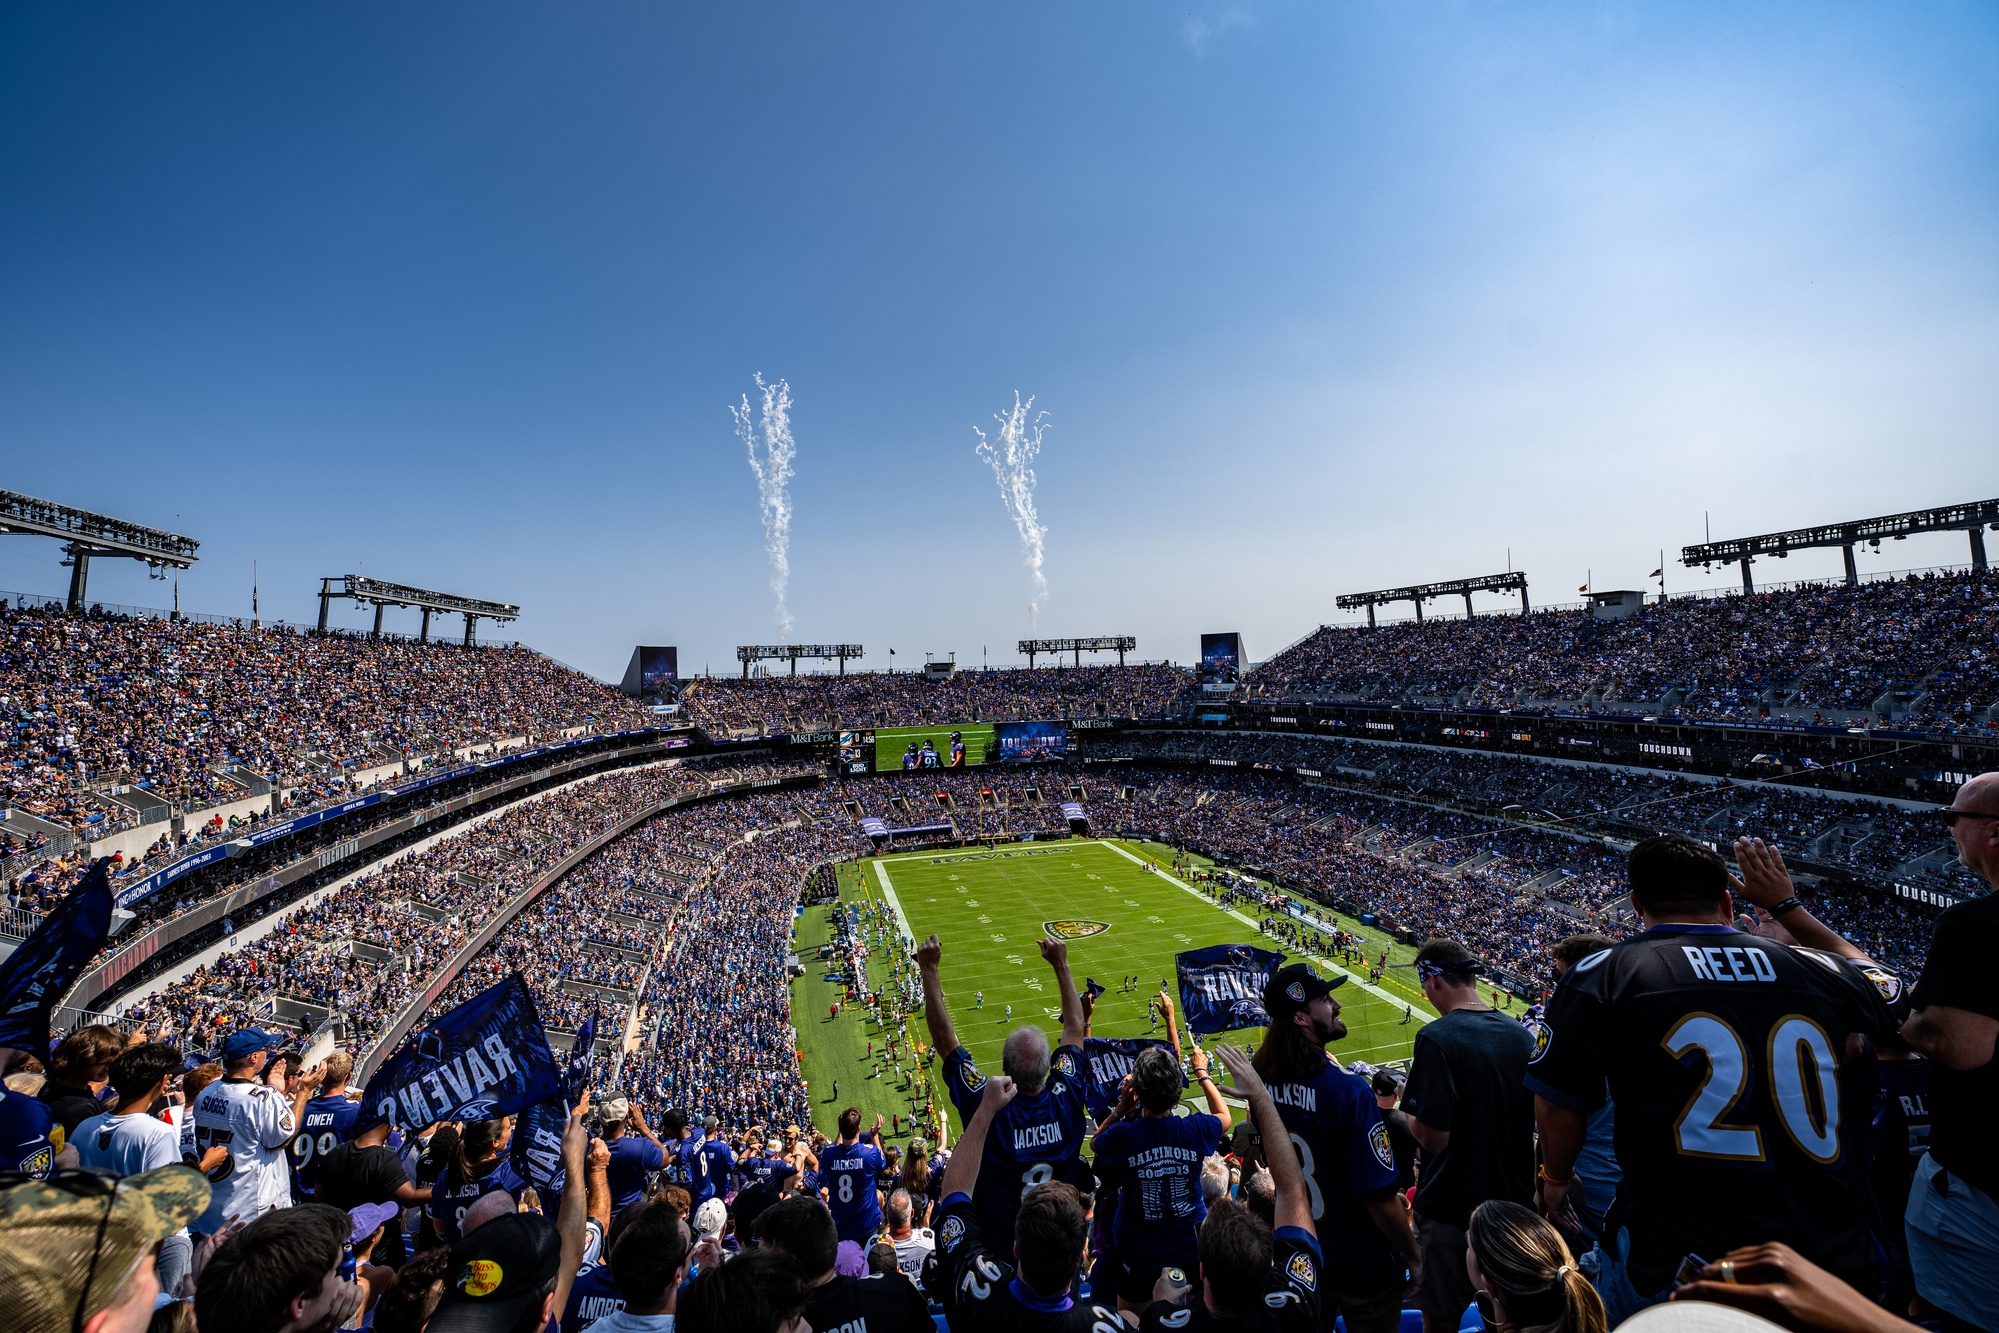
1794,901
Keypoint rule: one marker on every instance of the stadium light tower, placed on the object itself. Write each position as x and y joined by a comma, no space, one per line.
1420,593
381,594
824,652
85,534
1103,643
1971,518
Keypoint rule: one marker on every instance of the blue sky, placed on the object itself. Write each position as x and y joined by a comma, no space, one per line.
1319,297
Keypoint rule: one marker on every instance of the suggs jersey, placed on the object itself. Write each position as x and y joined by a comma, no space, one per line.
1724,1054
974,1282
1033,1140
255,1124
327,1123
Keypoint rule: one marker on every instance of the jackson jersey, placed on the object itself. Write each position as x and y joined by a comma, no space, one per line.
847,1171
254,1123
761,1170
717,1163
1033,1139
1348,1162
976,1285
1290,1306
327,1123
1724,1053
452,1196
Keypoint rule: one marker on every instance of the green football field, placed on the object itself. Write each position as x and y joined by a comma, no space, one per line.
990,907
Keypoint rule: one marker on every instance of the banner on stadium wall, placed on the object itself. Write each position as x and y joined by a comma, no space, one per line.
1026,742
488,1057
1221,658
1221,987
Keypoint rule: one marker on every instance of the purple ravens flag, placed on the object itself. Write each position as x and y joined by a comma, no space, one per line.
537,1149
35,974
484,1059
1221,987
1106,1060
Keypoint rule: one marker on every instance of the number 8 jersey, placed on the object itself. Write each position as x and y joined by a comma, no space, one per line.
1034,1138
1725,1054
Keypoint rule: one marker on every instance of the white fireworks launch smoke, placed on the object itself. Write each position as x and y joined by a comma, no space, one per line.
1011,453
773,470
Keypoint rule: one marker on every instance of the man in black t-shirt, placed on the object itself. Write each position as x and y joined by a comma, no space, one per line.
1469,1111
1725,1054
986,1290
803,1228
1955,1198
1254,1277
365,1170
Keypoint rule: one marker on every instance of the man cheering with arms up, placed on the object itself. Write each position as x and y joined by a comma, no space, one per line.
1038,1135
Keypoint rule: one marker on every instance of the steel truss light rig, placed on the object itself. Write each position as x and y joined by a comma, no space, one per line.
85,534
1971,518
363,589
1420,593
1103,643
820,652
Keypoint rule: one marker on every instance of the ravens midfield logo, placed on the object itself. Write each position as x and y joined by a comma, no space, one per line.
1074,930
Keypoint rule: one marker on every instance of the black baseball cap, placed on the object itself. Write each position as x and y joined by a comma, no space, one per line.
1294,986
495,1273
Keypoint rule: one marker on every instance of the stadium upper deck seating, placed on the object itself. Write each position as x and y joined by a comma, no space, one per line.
1922,649
879,698
88,701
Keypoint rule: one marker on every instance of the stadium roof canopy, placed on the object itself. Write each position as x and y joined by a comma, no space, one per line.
1103,643
818,652
1971,517
86,534
382,594
1419,593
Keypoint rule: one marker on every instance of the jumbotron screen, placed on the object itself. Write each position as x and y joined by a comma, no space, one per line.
913,749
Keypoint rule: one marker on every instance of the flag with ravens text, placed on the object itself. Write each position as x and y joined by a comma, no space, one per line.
1221,987
537,1149
1106,1060
35,974
486,1058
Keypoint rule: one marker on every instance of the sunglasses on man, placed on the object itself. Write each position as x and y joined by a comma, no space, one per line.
1950,816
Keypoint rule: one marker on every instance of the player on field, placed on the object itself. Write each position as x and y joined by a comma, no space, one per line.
1738,1066
1040,1133
847,1173
1334,1120
1025,1281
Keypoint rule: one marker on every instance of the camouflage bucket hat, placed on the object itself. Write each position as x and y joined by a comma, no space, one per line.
71,1241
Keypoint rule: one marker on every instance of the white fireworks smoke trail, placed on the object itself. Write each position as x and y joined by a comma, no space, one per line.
1011,453
773,470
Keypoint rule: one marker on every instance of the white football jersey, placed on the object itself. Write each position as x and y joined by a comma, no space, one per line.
255,1124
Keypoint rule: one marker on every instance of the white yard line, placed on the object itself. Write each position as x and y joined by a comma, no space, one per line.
894,903
1353,976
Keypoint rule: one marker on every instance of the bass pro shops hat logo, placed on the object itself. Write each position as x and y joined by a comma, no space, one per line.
482,1277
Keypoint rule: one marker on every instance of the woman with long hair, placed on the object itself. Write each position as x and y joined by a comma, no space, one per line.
1521,1265
915,1177
478,1167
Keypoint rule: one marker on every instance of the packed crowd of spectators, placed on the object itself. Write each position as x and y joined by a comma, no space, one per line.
1828,652
419,909
823,701
161,705
1877,840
